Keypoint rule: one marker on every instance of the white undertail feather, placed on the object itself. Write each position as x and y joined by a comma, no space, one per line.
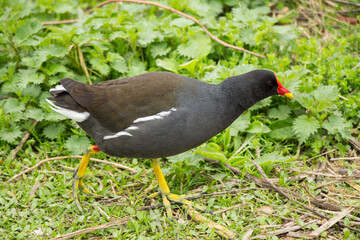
77,116
58,88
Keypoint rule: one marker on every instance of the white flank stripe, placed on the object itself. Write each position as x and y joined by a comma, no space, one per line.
77,116
58,88
122,133
160,115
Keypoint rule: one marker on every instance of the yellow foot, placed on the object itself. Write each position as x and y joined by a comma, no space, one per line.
79,173
168,197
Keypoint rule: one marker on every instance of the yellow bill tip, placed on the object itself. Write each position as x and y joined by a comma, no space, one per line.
289,95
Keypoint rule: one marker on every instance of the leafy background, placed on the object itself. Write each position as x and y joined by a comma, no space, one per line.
115,41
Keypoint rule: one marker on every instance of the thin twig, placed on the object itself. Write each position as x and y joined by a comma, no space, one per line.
330,222
219,229
60,22
120,221
22,142
277,189
66,157
322,154
347,3
83,64
169,9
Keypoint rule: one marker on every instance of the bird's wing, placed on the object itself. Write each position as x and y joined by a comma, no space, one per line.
116,104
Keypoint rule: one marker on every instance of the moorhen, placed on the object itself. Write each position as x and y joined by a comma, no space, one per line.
157,114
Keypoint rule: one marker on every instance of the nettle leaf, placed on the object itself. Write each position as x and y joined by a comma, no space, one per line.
336,124
258,127
190,66
244,14
326,93
13,105
36,114
53,130
159,49
198,46
120,65
26,76
280,113
11,134
168,64
55,68
100,66
211,153
261,104
240,124
32,90
293,78
148,36
77,144
25,31
306,100
83,38
44,53
286,33
271,158
304,126
136,68
117,34
181,22
282,129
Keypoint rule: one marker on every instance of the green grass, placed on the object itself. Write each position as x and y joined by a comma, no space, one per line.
314,58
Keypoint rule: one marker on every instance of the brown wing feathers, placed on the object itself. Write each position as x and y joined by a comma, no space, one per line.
117,103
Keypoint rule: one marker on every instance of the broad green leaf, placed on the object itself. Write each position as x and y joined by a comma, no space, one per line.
198,46
181,22
240,124
26,76
25,31
209,153
136,67
32,90
282,129
53,130
304,126
190,66
326,93
77,145
36,114
100,66
271,158
280,113
119,65
282,133
258,127
286,33
55,68
10,135
336,124
117,34
159,49
168,64
305,99
219,176
13,105
261,104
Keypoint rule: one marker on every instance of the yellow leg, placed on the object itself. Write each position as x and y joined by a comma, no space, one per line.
167,196
79,173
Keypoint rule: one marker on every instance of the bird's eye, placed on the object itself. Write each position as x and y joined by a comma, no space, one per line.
269,83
